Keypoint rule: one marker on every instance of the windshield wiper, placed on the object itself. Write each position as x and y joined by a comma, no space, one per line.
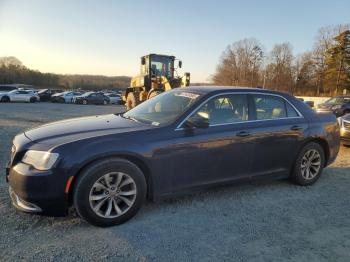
142,121
129,117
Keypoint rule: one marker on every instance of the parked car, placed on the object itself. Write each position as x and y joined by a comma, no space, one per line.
45,94
95,98
20,96
7,88
339,105
114,98
179,141
64,97
344,123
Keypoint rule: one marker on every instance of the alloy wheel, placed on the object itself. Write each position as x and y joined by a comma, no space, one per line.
112,195
310,164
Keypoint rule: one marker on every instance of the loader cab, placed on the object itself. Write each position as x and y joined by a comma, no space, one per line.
154,65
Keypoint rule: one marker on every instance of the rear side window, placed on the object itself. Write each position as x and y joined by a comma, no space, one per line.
272,107
291,111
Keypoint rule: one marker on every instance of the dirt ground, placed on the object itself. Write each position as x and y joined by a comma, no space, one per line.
261,221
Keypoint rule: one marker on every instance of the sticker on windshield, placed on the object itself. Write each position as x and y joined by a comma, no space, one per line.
188,95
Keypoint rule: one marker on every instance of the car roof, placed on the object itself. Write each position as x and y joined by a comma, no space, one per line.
219,89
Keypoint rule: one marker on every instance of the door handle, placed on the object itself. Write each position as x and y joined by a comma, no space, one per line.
243,134
296,128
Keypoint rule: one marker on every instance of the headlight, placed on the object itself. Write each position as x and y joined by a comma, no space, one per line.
336,107
39,159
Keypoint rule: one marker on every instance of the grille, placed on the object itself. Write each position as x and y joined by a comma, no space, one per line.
346,125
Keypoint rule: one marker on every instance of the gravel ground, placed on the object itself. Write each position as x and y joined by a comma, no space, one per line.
261,221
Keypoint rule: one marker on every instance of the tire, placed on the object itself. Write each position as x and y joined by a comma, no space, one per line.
32,100
89,187
132,100
154,93
309,164
61,100
105,102
85,102
5,99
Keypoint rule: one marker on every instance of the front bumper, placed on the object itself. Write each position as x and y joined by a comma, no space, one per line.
22,204
37,191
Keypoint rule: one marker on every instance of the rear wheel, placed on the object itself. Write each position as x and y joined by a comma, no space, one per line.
61,100
105,102
309,164
132,100
5,99
110,192
32,100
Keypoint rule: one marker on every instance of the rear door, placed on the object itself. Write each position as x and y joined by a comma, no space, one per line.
277,132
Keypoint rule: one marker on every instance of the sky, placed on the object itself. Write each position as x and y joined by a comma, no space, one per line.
109,37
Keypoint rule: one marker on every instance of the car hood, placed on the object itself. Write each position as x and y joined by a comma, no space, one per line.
83,127
325,106
59,94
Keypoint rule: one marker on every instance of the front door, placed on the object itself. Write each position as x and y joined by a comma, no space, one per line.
219,153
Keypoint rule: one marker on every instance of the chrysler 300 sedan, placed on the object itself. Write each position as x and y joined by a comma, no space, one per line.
177,142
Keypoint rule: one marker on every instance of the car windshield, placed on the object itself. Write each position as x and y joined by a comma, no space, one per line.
87,93
164,108
338,100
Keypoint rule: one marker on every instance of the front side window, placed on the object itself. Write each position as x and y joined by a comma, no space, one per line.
272,107
225,109
164,108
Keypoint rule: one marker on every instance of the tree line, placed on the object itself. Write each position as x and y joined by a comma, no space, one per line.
12,71
323,71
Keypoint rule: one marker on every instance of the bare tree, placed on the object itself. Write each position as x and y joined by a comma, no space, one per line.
279,70
240,64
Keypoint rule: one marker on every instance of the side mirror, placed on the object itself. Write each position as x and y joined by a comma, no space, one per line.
143,61
197,121
180,63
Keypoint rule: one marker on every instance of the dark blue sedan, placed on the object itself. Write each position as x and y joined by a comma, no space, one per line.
177,142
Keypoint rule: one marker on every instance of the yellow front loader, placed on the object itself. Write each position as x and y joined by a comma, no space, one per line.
158,74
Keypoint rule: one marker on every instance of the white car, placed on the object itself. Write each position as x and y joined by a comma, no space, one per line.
20,96
65,97
114,98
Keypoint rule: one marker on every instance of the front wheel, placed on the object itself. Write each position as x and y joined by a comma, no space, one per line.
5,99
105,102
110,192
309,164
132,100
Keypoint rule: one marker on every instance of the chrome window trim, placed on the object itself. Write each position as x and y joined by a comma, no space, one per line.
300,115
